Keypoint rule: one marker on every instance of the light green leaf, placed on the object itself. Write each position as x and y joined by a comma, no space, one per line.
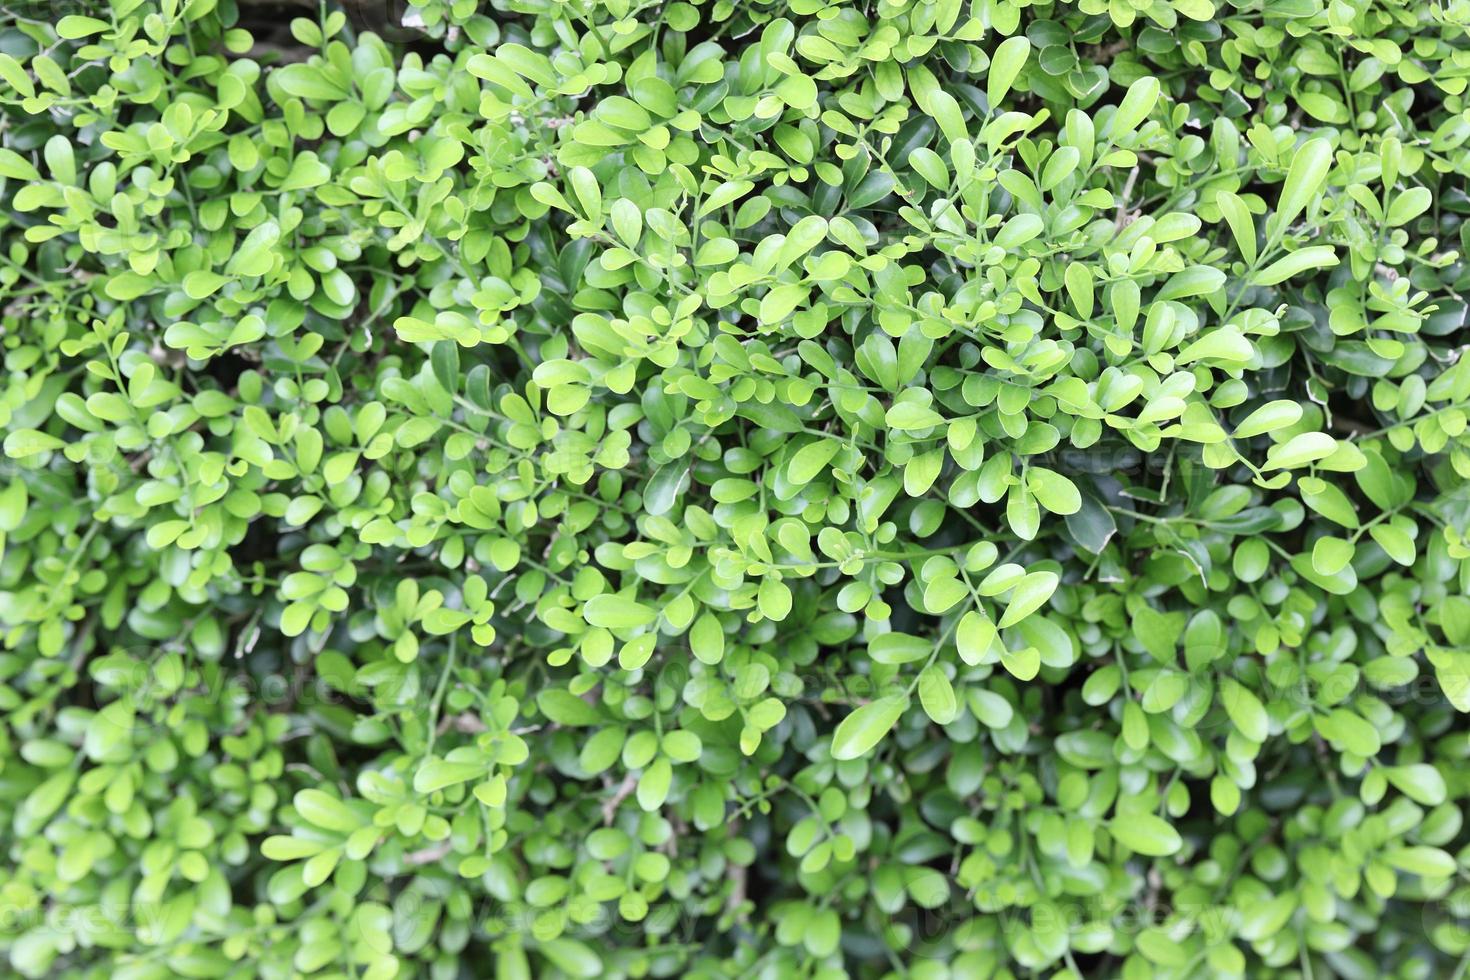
1269,417
617,612
1005,67
1030,594
866,726
1145,834
1305,180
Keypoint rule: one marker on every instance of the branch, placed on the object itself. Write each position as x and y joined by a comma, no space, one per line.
624,790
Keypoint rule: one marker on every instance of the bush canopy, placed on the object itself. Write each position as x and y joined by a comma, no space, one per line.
935,489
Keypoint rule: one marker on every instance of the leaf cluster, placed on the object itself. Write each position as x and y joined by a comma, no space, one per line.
777,488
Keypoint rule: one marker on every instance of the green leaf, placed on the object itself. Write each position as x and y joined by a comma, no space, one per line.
667,484
1023,664
1145,834
1053,491
1311,257
930,166
1029,595
974,637
308,82
1299,450
946,112
565,708
1419,781
773,598
1408,206
1242,224
1427,862
1262,920
1395,542
937,696
899,648
589,194
1137,103
1351,731
910,416
866,726
21,443
1245,710
307,171
601,750
1223,344
326,811
809,461
1005,67
572,957
74,26
653,785
436,774
1280,414
255,256
281,848
617,612
707,639
13,501
1331,555
1305,180
17,167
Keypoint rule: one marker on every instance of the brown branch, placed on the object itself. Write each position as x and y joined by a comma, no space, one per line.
624,790
468,723
1103,55
428,855
1121,219
1341,423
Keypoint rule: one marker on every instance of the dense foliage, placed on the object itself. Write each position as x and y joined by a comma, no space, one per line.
776,488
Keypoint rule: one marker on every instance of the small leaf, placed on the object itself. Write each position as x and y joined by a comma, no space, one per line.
974,637
898,648
74,26
1268,418
936,694
1005,66
1419,781
1023,664
617,612
436,774
653,785
326,811
809,461
17,167
1053,491
1029,594
1245,710
1137,103
1427,862
1311,257
865,727
1145,834
1304,182
21,443
1331,555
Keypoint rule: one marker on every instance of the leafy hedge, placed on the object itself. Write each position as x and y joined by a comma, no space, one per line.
922,488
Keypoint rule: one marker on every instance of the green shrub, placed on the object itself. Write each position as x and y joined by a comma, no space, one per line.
924,488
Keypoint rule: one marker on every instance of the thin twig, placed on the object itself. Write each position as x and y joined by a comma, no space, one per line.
428,855
624,790
1119,221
